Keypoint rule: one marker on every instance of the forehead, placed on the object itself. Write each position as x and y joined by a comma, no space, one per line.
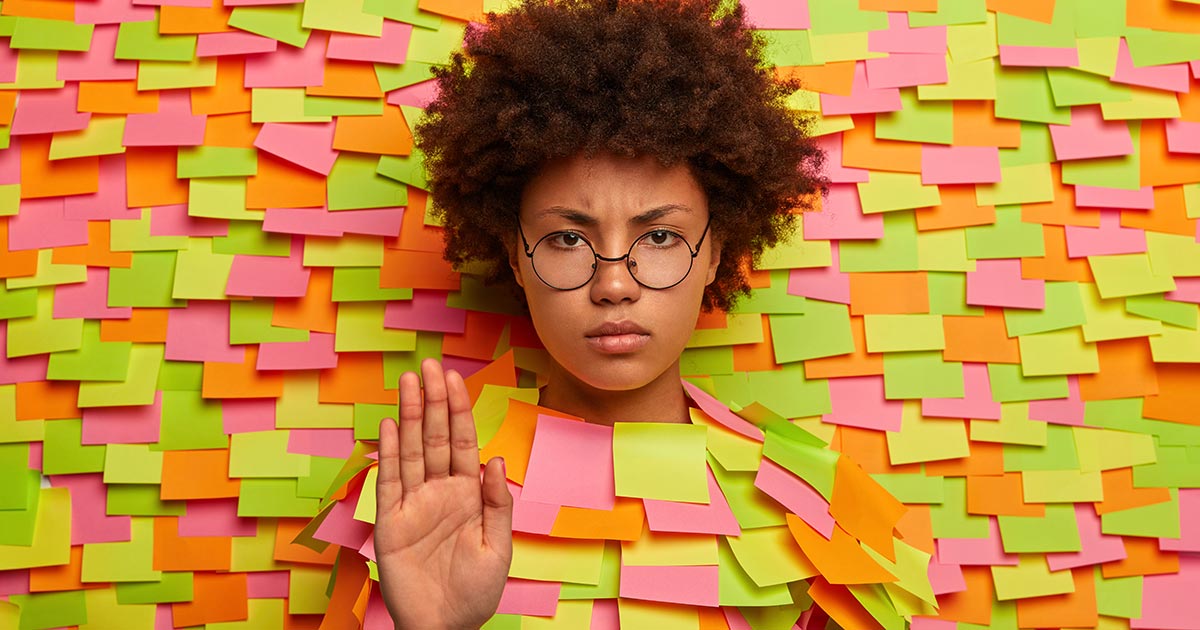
610,188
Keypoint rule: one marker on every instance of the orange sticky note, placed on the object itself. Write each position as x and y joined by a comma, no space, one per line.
280,184
840,604
623,522
37,400
386,134
285,531
95,253
861,149
42,177
889,292
957,209
15,264
230,130
479,341
502,371
316,311
173,552
240,380
348,78
150,177
1070,610
416,270
116,97
1056,264
193,20
972,605
1120,494
1037,10
48,9
147,325
1168,215
976,125
979,339
840,559
1142,557
414,234
999,494
216,597
836,77
1178,397
197,475
358,378
227,95
1127,370
863,508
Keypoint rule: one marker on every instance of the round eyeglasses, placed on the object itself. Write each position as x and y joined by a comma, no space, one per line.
658,259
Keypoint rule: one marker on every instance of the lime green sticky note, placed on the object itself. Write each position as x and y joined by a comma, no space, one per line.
958,12
812,462
921,489
1158,520
264,454
409,169
142,40
659,460
1101,449
190,422
949,519
322,472
661,549
944,250
435,45
173,586
250,322
36,69
102,136
64,452
1063,309
141,500
132,463
1061,486
199,273
972,80
402,11
1191,200
18,525
1055,452
281,22
833,47
147,282
557,559
51,543
903,333
1119,596
210,161
751,506
51,610
134,236
1143,103
1152,47
925,121
1108,319
299,407
138,388
1008,384
360,329
104,611
1175,467
833,16
341,16
896,191
789,393
342,106
1037,147
1056,531
353,183
1121,275
129,561
19,303
1025,94
1030,577
737,588
181,376
308,590
391,77
610,578
921,374
94,360
280,104
14,464
220,198
250,239
1071,87
822,331
49,273
973,41
267,614
796,253
1098,55
733,450
42,333
788,47
1173,254
1058,352
10,196
274,498
1176,345
32,32
770,556
200,72
896,251
714,360
923,439
1029,183
739,329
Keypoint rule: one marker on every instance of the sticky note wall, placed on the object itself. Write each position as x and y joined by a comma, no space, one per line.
216,262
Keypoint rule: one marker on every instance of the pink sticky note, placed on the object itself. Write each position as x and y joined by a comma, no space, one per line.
315,354
111,12
42,223
841,217
340,527
571,463
415,95
1100,197
269,276
1068,411
1090,136
267,584
721,414
858,401
529,597
196,4
693,585
832,146
776,14
14,582
735,619
1183,136
247,415
959,165
90,522
863,98
1186,289
233,43
1168,600
163,617
822,283
976,403
932,623
427,310
946,578
174,220
463,365
531,517
1195,65
172,125
900,38
377,616
899,70
20,369
49,111
289,66
215,517
307,145
8,64
109,200
1095,546
122,425
606,615
1189,523
333,443
375,221
796,495
99,63
200,332
88,299
1110,238
306,221
1171,77
694,518
1039,56
10,162
976,551
390,47
999,283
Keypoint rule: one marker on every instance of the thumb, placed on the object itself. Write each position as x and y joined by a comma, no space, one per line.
497,508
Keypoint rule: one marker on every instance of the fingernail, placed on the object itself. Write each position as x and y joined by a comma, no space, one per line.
503,467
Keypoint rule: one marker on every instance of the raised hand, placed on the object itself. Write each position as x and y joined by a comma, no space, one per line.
443,538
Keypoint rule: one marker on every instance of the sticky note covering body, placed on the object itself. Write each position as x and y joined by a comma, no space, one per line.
215,262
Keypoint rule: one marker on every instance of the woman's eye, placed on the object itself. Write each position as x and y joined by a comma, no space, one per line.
566,239
661,238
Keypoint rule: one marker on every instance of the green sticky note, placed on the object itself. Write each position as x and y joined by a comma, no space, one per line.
181,376
1025,94
1122,275
249,239
134,236
173,586
353,184
950,519
32,32
947,13
392,77
968,80
274,498
51,610
794,253
360,329
1028,183
14,464
1061,486
788,47
1008,384
1098,55
138,388
1037,147
64,452
316,106
280,105
199,273
42,333
610,578
1071,87
147,282
902,333
737,588
1152,47
132,463
896,251
925,121
943,250
141,500
1030,577
18,303
190,422
210,161
361,284
51,543
129,561
220,198
923,439
1054,532
409,169
714,360
789,393
813,463
1063,309
402,11
739,329
143,41
751,506
342,16
921,374
105,612
250,323
103,136
200,72
1118,597
435,45
317,482
919,489
94,360
896,191
1101,449
822,331
1059,33
18,525
659,460
264,454
282,22
834,16
1176,466
1055,452
1058,352
1159,520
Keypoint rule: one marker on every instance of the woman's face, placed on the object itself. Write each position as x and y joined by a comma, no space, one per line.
613,333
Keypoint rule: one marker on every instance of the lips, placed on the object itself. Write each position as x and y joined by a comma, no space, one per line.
620,337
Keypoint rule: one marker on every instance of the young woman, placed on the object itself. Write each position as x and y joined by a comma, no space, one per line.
620,163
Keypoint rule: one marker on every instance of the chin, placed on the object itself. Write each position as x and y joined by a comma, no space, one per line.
615,373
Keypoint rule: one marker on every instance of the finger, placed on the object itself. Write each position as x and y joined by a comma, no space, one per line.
412,415
464,445
388,489
497,508
437,421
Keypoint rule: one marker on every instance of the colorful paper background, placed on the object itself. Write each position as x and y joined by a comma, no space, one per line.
216,262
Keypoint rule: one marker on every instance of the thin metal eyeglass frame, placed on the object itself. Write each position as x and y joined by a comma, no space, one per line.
694,252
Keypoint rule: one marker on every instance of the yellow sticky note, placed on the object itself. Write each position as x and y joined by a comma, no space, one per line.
910,568
131,561
350,250
1121,275
308,588
1108,319
299,408
770,555
896,191
51,535
645,614
556,559
660,460
1061,486
265,454
973,42
49,273
740,328
104,612
1030,577
1027,183
360,329
1144,103
1176,345
972,80
569,615
669,549
366,509
132,463
261,614
902,333
1013,427
923,439
733,450
42,333
101,137
1058,352
1105,449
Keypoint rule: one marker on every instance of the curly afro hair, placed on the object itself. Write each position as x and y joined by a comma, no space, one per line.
683,81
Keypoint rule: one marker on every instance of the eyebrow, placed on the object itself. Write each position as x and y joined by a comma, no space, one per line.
582,218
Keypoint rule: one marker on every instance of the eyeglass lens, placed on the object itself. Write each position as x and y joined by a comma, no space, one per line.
658,260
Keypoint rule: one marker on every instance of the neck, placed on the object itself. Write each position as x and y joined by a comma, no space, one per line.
661,400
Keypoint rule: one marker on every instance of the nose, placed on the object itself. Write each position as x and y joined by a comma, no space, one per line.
613,282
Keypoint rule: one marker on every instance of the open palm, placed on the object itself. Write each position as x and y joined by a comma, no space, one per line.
443,537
